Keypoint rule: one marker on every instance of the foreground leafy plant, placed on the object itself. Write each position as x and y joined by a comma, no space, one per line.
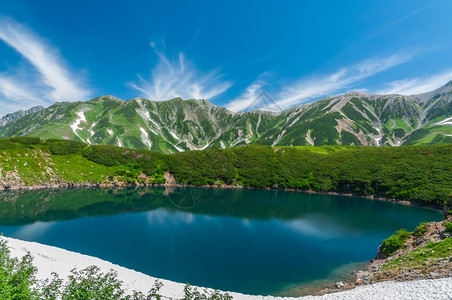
17,277
191,293
89,283
18,281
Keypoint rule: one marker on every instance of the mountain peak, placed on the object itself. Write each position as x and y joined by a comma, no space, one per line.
445,89
8,118
356,94
354,118
106,98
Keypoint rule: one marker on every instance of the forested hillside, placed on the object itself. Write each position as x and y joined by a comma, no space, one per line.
416,173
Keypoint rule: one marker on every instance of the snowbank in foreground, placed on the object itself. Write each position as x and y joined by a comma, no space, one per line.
50,259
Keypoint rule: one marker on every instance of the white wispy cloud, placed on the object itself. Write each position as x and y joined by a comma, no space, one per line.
179,77
415,86
248,97
15,92
306,89
52,81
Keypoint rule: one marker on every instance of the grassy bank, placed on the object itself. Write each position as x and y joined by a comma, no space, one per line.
415,173
423,254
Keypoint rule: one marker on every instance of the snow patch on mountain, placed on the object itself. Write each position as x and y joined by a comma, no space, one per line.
145,137
119,142
447,121
309,138
91,132
173,135
75,126
276,141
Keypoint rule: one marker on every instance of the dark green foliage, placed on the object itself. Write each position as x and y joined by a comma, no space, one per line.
359,104
128,110
64,147
90,283
416,173
448,227
324,129
447,206
415,136
394,242
26,140
421,229
148,162
257,166
104,154
135,143
353,114
17,277
441,139
6,143
399,132
191,293
202,167
349,139
19,142
17,281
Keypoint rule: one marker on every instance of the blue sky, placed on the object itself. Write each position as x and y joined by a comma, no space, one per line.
228,52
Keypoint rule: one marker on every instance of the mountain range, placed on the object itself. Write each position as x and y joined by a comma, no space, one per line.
178,125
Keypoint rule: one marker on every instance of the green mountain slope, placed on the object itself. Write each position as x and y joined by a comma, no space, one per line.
177,125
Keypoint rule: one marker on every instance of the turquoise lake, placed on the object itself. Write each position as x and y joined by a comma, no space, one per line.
249,241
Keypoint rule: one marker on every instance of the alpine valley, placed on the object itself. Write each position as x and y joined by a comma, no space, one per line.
177,125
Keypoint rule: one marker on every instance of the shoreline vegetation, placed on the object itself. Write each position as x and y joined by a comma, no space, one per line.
417,175
31,270
425,253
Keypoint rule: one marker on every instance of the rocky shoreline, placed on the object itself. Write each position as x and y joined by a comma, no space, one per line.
375,270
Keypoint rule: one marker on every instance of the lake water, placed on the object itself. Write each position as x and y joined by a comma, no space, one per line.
249,241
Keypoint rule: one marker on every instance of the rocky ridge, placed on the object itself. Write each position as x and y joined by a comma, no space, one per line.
178,125
9,118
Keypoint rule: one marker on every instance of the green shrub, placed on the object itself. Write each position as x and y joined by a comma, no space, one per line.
19,142
90,283
26,140
394,242
191,293
6,143
18,281
17,277
448,227
64,147
148,162
103,154
421,229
